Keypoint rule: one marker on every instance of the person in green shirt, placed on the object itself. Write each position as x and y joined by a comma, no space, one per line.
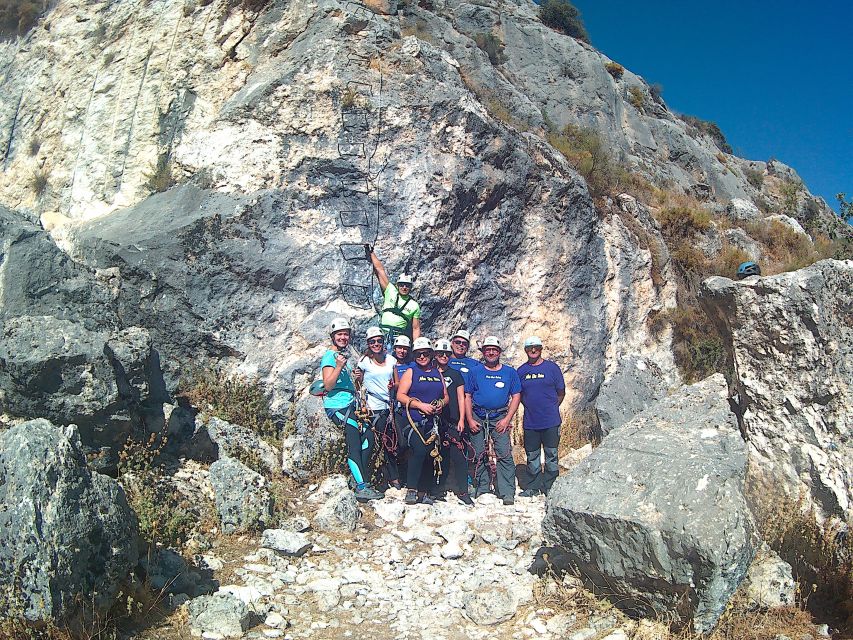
401,314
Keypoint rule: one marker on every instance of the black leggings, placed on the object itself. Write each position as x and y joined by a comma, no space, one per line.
420,474
360,442
454,461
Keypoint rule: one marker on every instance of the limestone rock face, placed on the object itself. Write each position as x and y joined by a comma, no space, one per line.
792,344
275,118
64,355
656,515
67,534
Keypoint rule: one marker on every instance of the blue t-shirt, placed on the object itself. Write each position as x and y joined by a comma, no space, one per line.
492,389
464,366
426,386
539,388
401,367
343,393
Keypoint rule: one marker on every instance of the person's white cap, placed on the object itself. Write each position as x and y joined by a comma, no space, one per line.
402,341
374,332
442,345
533,341
461,333
405,278
491,341
421,344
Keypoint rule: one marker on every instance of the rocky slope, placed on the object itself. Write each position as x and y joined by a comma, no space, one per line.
307,125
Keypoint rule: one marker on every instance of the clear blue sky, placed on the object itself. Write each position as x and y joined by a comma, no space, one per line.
777,77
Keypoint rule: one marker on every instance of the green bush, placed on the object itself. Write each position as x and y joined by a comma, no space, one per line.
564,17
615,69
755,177
637,97
790,191
711,129
233,398
161,179
491,46
588,154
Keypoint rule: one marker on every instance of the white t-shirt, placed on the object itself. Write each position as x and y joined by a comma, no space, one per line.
376,379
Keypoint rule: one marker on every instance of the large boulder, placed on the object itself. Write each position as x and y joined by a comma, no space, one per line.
791,339
242,496
214,438
632,387
67,535
656,515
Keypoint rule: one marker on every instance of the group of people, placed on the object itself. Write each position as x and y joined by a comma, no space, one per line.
437,419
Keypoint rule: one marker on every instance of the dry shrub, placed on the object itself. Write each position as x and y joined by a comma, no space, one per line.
821,556
786,249
615,69
741,621
165,515
233,398
589,154
683,222
697,346
492,46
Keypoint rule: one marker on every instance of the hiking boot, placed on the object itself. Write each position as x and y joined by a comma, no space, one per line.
509,500
425,499
411,496
465,499
529,493
368,493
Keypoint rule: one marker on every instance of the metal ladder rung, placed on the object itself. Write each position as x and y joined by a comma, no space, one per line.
354,218
353,251
356,295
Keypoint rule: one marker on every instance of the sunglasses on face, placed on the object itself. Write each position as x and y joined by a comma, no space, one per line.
446,354
491,350
423,354
462,342
533,348
375,341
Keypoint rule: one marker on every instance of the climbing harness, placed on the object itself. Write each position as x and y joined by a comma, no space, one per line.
435,453
489,455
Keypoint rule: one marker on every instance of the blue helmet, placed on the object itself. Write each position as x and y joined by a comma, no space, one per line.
746,269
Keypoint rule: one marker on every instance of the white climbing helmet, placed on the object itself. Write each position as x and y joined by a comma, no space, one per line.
533,341
402,341
421,344
373,332
491,341
339,324
405,278
442,345
462,334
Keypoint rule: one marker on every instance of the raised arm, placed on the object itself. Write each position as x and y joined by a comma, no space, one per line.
380,271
